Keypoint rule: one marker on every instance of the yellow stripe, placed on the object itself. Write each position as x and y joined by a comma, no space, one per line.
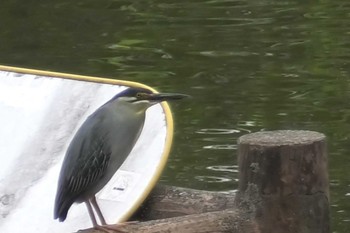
75,77
166,108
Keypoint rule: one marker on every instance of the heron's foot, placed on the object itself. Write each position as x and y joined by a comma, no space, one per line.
113,228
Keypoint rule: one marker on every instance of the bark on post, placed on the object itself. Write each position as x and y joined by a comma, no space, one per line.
287,171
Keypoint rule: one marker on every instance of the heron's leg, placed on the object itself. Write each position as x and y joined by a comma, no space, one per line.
91,213
106,227
93,218
98,210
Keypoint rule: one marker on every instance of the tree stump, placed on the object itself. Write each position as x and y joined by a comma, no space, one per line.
288,171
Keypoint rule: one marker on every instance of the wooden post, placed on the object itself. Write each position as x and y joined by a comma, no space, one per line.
283,177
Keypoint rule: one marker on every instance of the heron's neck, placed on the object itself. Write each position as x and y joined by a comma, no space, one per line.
141,106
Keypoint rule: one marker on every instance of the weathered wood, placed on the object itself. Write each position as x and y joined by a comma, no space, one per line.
230,221
168,201
289,171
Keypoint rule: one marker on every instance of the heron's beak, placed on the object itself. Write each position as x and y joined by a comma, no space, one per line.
159,97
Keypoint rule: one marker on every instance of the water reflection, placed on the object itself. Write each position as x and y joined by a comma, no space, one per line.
249,65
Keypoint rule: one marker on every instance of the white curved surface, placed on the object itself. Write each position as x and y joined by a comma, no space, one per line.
39,117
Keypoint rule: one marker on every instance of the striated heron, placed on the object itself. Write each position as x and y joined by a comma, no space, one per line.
100,147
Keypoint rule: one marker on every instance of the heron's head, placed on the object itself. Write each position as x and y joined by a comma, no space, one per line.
145,97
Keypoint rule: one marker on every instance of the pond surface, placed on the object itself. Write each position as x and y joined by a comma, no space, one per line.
249,65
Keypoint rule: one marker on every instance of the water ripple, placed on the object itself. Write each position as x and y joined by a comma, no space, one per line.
224,168
222,53
213,179
221,147
218,131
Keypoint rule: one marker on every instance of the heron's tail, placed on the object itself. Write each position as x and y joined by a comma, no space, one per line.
61,207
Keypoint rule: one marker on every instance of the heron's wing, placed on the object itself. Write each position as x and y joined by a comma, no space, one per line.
85,163
90,167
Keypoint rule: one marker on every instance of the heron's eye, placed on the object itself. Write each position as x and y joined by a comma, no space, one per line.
141,95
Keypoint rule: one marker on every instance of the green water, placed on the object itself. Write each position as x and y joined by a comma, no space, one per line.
249,65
